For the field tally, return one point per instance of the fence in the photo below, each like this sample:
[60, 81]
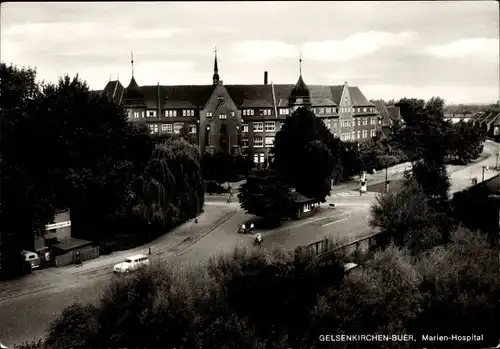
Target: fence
[70, 257]
[363, 244]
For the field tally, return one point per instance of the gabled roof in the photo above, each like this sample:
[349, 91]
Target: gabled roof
[394, 113]
[384, 113]
[489, 118]
[114, 90]
[177, 97]
[358, 99]
[337, 93]
[251, 96]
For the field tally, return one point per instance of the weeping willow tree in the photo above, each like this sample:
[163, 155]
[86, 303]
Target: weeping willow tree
[170, 190]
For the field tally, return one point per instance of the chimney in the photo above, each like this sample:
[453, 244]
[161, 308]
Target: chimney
[265, 78]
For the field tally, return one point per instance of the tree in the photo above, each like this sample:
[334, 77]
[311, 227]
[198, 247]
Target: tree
[82, 155]
[185, 133]
[27, 203]
[301, 138]
[265, 194]
[407, 219]
[170, 190]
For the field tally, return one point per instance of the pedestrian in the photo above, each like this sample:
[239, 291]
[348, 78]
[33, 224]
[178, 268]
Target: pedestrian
[78, 259]
[230, 194]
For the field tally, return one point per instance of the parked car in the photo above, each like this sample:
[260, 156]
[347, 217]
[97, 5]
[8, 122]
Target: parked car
[132, 263]
[32, 258]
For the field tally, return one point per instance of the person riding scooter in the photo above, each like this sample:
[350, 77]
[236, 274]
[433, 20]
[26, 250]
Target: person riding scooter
[258, 238]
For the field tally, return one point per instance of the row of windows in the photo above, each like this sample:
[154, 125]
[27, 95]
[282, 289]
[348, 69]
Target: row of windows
[360, 134]
[246, 112]
[327, 110]
[258, 142]
[358, 122]
[171, 128]
[357, 109]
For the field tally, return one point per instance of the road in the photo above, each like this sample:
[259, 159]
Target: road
[27, 306]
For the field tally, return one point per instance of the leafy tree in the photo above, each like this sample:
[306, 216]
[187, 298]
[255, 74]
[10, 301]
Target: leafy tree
[170, 190]
[296, 143]
[265, 194]
[27, 203]
[407, 218]
[82, 154]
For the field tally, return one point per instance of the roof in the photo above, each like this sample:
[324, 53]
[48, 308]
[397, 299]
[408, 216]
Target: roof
[384, 113]
[300, 89]
[114, 90]
[71, 244]
[248, 96]
[394, 113]
[244, 96]
[488, 119]
[493, 184]
[358, 99]
[136, 256]
[496, 120]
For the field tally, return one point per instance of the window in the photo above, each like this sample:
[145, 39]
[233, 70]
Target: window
[359, 134]
[233, 113]
[222, 116]
[187, 112]
[258, 126]
[307, 208]
[270, 126]
[167, 128]
[353, 135]
[248, 112]
[258, 158]
[170, 113]
[265, 112]
[151, 114]
[245, 127]
[328, 110]
[374, 120]
[364, 110]
[284, 111]
[365, 121]
[154, 128]
[209, 115]
[258, 141]
[178, 127]
[244, 142]
[372, 133]
[192, 128]
[137, 114]
[269, 141]
[365, 133]
[335, 124]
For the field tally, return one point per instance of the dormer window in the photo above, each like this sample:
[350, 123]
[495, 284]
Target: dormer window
[248, 112]
[222, 116]
[151, 113]
[220, 98]
[284, 111]
[265, 112]
[233, 113]
[209, 115]
[187, 112]
[138, 114]
[170, 113]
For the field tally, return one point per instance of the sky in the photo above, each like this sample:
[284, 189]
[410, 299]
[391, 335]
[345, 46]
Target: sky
[389, 49]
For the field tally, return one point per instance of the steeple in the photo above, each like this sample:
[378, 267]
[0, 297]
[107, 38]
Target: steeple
[215, 77]
[300, 95]
[133, 83]
[133, 91]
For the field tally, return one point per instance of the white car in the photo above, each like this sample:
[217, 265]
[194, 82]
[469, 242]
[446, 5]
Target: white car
[132, 263]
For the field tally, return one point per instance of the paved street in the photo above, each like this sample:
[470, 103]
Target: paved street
[28, 305]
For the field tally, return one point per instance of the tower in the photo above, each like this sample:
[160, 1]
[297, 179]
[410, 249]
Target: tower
[300, 95]
[215, 77]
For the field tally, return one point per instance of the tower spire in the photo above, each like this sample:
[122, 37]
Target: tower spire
[300, 64]
[215, 77]
[132, 62]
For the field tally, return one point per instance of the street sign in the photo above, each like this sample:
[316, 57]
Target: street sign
[58, 225]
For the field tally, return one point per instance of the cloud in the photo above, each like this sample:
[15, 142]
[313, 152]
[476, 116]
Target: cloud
[262, 51]
[481, 48]
[357, 45]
